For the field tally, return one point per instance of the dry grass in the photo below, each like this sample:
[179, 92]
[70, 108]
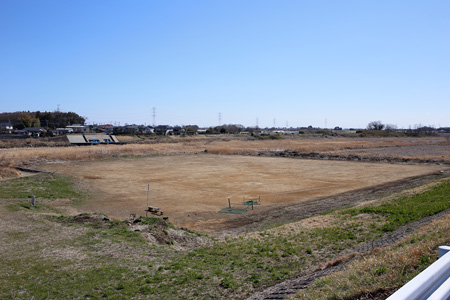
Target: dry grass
[8, 173]
[11, 157]
[6, 169]
[316, 144]
[212, 146]
[25, 156]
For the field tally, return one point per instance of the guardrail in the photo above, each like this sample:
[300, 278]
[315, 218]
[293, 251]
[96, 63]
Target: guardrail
[432, 284]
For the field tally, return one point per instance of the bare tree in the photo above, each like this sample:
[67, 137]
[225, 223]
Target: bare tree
[390, 127]
[375, 125]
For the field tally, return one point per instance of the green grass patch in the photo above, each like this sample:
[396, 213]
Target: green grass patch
[57, 280]
[103, 228]
[49, 186]
[27, 206]
[406, 209]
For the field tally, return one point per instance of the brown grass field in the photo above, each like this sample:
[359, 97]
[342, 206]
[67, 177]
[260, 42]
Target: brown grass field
[191, 189]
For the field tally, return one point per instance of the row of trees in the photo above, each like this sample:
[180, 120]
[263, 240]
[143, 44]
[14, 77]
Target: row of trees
[51, 120]
[378, 125]
[230, 128]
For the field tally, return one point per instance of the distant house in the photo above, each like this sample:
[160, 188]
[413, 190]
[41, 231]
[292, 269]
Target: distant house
[34, 131]
[6, 128]
[62, 131]
[163, 130]
[289, 131]
[146, 129]
[78, 128]
[127, 129]
[178, 130]
[107, 128]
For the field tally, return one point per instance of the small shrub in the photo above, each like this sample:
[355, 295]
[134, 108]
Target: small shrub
[227, 283]
[380, 271]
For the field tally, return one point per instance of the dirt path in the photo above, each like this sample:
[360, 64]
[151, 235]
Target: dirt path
[384, 154]
[292, 286]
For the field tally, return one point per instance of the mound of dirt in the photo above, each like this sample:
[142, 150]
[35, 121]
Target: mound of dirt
[159, 231]
[93, 220]
[152, 229]
[90, 218]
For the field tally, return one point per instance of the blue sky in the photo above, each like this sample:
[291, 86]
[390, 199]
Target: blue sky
[295, 63]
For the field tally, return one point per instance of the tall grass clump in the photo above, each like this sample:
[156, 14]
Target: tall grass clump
[6, 168]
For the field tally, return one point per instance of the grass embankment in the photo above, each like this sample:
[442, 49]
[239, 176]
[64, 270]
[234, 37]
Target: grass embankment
[71, 260]
[378, 275]
[385, 270]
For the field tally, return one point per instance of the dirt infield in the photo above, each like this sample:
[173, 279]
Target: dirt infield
[191, 189]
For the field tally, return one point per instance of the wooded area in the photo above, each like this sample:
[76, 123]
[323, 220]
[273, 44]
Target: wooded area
[50, 120]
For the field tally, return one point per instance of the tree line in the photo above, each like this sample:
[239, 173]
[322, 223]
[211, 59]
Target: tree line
[50, 120]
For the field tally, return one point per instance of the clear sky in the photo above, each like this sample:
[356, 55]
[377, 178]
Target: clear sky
[296, 63]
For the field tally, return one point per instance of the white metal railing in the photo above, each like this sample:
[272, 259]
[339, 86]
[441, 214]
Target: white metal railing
[432, 284]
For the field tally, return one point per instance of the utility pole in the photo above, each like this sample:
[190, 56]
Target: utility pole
[148, 193]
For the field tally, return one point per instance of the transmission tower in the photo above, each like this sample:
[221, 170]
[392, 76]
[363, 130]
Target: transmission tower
[154, 116]
[220, 119]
